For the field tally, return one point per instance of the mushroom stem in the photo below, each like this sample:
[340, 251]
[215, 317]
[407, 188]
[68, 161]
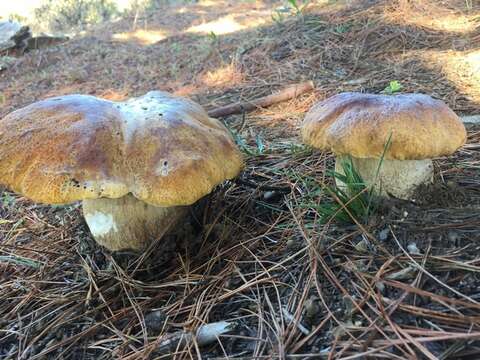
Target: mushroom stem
[128, 223]
[399, 178]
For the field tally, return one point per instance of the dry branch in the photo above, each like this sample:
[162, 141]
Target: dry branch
[244, 106]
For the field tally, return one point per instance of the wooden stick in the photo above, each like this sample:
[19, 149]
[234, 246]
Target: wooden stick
[244, 106]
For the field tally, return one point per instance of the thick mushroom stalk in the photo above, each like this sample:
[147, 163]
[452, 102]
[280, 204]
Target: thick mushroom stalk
[406, 129]
[128, 223]
[137, 165]
[399, 178]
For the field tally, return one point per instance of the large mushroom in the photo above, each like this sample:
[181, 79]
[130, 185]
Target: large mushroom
[136, 165]
[360, 126]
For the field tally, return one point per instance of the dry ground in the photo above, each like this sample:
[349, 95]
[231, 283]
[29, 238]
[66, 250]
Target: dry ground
[254, 252]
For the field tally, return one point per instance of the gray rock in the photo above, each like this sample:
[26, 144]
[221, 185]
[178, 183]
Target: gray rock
[155, 321]
[472, 119]
[6, 62]
[8, 30]
[383, 234]
[13, 35]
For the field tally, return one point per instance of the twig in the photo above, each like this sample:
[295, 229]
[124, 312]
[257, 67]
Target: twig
[244, 106]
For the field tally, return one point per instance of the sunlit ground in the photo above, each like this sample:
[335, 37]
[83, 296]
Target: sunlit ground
[442, 20]
[141, 36]
[25, 8]
[210, 18]
[462, 68]
[229, 24]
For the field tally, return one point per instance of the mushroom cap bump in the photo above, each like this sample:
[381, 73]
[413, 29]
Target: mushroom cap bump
[360, 125]
[163, 149]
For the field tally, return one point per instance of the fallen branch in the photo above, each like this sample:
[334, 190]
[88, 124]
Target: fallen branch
[244, 106]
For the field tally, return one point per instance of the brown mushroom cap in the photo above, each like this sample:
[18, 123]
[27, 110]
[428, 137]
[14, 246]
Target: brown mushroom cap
[163, 149]
[360, 125]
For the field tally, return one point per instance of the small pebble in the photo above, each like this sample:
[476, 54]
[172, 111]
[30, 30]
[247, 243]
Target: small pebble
[311, 307]
[453, 236]
[271, 196]
[451, 184]
[349, 305]
[291, 244]
[361, 246]
[413, 249]
[155, 320]
[383, 235]
[232, 282]
[380, 286]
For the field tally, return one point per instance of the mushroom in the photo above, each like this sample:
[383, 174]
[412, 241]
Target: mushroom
[136, 165]
[399, 133]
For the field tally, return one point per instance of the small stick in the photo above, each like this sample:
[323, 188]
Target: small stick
[244, 106]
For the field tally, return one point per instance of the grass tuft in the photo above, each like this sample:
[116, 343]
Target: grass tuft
[351, 201]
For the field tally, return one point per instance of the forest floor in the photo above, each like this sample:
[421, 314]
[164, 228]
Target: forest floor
[402, 283]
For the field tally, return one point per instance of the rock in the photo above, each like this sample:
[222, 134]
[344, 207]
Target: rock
[472, 119]
[7, 30]
[291, 244]
[312, 309]
[13, 35]
[380, 286]
[6, 62]
[453, 236]
[383, 234]
[362, 246]
[271, 196]
[405, 274]
[413, 249]
[155, 321]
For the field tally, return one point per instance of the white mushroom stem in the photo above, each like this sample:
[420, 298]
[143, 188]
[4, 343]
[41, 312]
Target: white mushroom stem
[399, 178]
[128, 223]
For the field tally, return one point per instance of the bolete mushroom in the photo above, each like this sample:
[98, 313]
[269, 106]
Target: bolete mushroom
[136, 165]
[360, 126]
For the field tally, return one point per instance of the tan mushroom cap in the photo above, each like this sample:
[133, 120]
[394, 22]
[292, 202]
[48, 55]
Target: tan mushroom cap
[163, 149]
[360, 125]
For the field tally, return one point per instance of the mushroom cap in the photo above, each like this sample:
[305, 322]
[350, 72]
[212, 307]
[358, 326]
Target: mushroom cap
[360, 125]
[163, 149]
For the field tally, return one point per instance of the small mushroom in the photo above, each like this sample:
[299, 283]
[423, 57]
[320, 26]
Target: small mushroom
[136, 165]
[360, 126]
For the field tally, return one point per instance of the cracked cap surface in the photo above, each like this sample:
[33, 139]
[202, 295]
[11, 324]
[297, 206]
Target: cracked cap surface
[163, 149]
